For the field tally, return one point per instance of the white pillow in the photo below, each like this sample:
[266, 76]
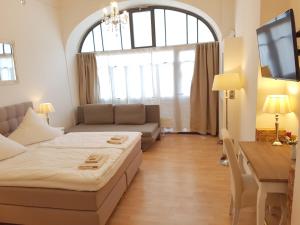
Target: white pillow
[9, 148]
[34, 129]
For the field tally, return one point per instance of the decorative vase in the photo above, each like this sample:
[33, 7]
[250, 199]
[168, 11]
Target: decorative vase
[294, 151]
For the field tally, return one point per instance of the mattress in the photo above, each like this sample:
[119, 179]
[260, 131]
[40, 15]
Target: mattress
[56, 165]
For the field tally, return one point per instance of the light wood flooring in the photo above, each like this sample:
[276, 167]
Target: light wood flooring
[179, 183]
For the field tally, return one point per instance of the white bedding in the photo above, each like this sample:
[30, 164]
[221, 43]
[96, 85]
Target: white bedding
[93, 140]
[47, 167]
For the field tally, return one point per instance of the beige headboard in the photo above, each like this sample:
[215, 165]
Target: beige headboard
[11, 116]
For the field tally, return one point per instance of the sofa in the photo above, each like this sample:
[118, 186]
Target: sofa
[129, 117]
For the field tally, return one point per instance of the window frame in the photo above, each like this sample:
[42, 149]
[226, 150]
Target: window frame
[152, 12]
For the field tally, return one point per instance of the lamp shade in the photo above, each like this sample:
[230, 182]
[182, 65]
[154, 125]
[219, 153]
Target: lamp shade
[46, 108]
[230, 81]
[277, 104]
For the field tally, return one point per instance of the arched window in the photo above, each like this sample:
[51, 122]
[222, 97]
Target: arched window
[155, 26]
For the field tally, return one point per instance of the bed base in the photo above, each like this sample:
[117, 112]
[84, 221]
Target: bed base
[28, 215]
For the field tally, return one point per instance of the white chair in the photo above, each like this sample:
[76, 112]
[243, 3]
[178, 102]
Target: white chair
[243, 186]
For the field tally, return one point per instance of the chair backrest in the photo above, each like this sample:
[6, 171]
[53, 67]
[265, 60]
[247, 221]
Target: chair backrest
[237, 180]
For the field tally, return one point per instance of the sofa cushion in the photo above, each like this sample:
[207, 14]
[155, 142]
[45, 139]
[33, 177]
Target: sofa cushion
[130, 114]
[147, 129]
[98, 114]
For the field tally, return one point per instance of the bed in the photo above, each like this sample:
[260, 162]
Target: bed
[32, 204]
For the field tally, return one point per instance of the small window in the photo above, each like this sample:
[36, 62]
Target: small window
[126, 41]
[160, 27]
[142, 29]
[176, 28]
[88, 44]
[98, 38]
[192, 29]
[204, 34]
[111, 38]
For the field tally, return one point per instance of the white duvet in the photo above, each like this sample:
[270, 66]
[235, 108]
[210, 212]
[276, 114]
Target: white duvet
[50, 167]
[92, 140]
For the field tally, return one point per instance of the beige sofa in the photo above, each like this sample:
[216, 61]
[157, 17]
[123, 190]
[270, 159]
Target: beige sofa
[131, 117]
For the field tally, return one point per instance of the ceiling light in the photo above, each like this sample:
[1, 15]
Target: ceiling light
[115, 19]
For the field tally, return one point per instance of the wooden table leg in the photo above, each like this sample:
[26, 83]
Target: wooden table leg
[261, 205]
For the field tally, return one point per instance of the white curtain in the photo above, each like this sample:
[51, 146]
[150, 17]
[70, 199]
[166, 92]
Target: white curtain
[150, 76]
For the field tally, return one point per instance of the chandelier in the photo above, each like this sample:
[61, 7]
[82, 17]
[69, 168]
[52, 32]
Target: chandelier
[115, 19]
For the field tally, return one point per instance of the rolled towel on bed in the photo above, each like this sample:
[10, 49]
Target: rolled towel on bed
[119, 137]
[94, 166]
[117, 140]
[94, 158]
[89, 166]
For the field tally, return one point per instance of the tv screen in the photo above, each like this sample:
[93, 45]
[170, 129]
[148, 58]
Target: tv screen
[277, 46]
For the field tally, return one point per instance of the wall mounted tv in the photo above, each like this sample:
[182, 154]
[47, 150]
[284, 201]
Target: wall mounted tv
[277, 44]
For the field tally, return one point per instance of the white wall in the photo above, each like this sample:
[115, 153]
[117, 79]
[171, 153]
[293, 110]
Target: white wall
[233, 55]
[39, 55]
[247, 20]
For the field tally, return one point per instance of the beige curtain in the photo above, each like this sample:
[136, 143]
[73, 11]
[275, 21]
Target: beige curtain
[204, 102]
[88, 78]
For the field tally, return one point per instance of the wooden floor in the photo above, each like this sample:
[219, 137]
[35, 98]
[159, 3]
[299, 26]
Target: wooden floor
[180, 183]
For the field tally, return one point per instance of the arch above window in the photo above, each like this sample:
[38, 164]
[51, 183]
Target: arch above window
[154, 26]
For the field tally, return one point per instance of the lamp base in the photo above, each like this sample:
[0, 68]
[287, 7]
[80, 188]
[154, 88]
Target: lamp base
[277, 143]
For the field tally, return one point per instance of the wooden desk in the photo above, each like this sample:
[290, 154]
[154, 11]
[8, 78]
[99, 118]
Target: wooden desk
[270, 166]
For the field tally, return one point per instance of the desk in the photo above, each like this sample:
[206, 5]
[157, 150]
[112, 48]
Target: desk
[270, 166]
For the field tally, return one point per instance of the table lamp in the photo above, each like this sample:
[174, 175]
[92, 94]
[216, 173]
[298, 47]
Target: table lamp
[277, 104]
[228, 83]
[46, 108]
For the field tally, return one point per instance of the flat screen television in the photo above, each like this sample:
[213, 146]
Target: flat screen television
[277, 44]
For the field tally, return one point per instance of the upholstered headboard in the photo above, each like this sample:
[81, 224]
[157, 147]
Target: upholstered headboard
[11, 116]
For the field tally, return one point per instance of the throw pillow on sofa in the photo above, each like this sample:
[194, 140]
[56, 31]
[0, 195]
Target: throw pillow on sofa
[98, 114]
[130, 114]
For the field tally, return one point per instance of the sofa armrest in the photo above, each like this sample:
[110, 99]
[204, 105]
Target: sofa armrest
[153, 114]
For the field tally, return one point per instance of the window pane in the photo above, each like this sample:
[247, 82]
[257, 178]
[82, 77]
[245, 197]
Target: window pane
[119, 83]
[160, 27]
[1, 48]
[88, 44]
[7, 48]
[125, 28]
[148, 84]
[204, 34]
[111, 38]
[98, 39]
[7, 70]
[142, 29]
[186, 64]
[176, 28]
[134, 82]
[104, 79]
[163, 62]
[192, 29]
